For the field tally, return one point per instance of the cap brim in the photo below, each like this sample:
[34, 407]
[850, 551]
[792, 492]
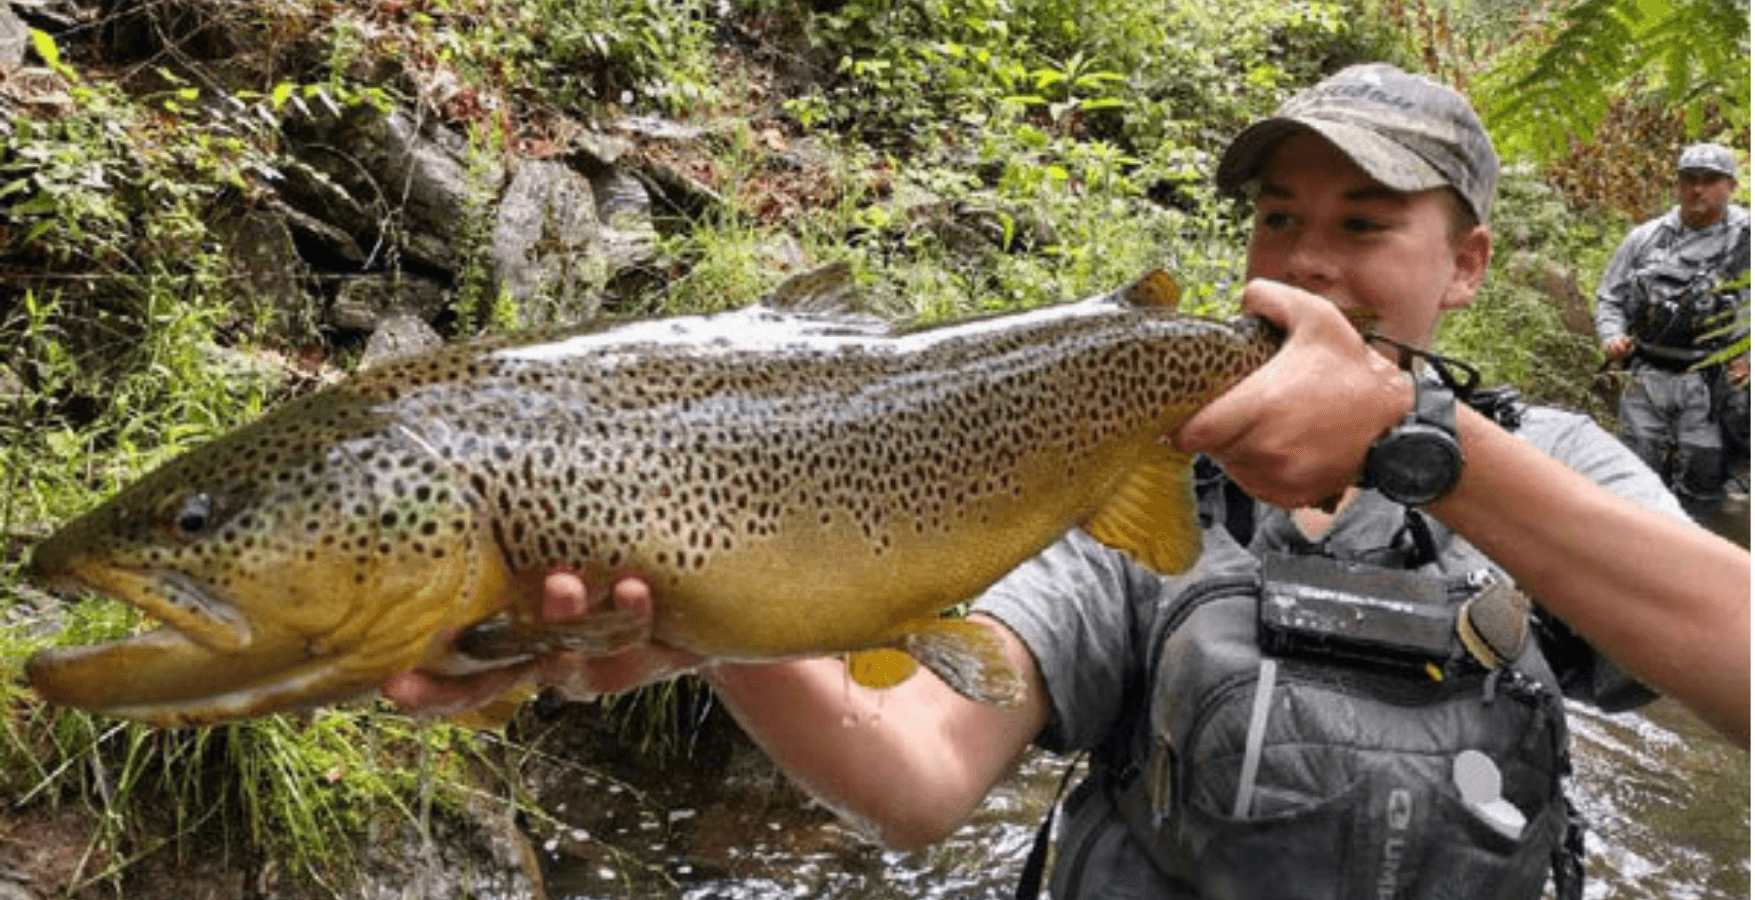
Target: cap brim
[1383, 159]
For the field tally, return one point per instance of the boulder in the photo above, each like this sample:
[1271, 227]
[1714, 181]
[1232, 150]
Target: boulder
[14, 39]
[547, 245]
[365, 302]
[416, 181]
[396, 336]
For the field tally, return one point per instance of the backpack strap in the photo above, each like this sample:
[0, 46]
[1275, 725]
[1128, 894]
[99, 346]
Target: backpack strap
[1030, 879]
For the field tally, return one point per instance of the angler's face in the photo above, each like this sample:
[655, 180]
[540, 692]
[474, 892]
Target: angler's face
[1323, 225]
[1703, 196]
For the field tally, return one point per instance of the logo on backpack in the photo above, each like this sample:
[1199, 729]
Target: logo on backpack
[1399, 815]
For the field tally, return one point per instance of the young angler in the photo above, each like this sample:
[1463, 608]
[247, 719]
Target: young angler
[1227, 764]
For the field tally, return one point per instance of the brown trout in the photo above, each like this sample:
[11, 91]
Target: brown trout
[791, 485]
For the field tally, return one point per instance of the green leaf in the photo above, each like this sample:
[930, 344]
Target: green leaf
[51, 54]
[45, 47]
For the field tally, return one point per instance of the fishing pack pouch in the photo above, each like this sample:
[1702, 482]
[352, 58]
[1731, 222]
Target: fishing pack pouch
[1349, 758]
[1677, 306]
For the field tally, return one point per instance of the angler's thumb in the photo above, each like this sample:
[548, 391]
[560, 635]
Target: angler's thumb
[1271, 300]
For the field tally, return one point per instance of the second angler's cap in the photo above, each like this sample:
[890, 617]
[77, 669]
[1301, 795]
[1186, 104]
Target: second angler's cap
[1708, 157]
[1407, 131]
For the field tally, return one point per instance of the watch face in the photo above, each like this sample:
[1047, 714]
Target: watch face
[1415, 466]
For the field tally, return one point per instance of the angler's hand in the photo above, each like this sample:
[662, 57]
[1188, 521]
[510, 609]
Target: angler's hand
[565, 596]
[1618, 348]
[1294, 433]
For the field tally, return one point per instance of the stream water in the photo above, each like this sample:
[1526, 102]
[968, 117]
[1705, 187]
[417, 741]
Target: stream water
[1667, 803]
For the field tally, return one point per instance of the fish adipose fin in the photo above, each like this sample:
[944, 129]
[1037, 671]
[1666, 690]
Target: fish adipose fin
[1155, 289]
[1151, 516]
[825, 290]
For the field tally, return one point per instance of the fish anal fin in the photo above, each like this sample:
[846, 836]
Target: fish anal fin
[880, 668]
[968, 656]
[1151, 516]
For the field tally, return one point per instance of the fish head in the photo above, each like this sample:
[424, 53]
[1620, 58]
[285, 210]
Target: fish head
[296, 561]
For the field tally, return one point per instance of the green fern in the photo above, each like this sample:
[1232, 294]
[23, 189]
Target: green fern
[1694, 55]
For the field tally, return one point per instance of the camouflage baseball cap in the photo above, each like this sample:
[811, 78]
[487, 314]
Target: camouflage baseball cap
[1407, 131]
[1708, 157]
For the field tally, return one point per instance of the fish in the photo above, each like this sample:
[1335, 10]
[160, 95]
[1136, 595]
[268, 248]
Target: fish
[793, 482]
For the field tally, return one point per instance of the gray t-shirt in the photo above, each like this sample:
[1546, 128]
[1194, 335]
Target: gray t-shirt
[1093, 619]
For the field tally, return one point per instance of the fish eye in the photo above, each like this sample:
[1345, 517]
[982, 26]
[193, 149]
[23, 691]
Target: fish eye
[195, 515]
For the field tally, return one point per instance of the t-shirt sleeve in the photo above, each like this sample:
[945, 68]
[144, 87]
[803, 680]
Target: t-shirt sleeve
[1074, 606]
[1586, 448]
[1614, 294]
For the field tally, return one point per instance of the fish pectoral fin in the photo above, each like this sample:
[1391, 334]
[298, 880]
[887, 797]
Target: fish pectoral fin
[968, 656]
[1151, 516]
[494, 714]
[507, 638]
[880, 668]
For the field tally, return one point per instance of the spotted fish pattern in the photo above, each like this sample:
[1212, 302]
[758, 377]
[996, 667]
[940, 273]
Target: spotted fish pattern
[790, 483]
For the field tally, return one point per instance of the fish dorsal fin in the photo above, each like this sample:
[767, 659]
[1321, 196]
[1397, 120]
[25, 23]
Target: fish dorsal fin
[823, 302]
[1151, 515]
[824, 290]
[1156, 289]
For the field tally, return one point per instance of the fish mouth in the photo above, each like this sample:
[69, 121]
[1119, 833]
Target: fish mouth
[175, 598]
[170, 677]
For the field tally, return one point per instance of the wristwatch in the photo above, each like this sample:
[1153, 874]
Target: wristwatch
[1419, 460]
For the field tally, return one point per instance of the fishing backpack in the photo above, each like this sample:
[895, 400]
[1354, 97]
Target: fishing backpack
[1291, 752]
[1301, 757]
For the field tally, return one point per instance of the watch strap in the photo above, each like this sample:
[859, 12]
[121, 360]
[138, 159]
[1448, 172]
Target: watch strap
[1434, 405]
[1432, 418]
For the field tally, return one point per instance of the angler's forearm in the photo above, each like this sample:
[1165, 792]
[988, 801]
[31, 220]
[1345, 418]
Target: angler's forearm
[1664, 598]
